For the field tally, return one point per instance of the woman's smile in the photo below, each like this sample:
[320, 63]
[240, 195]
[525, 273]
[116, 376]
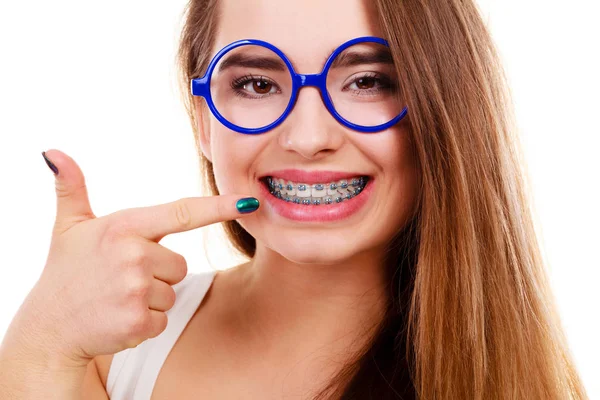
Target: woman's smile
[317, 196]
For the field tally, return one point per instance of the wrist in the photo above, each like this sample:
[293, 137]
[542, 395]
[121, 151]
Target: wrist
[28, 372]
[29, 339]
[38, 355]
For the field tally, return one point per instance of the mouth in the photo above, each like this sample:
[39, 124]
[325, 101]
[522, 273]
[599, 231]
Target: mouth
[315, 194]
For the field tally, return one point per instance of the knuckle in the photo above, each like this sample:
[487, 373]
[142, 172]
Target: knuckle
[114, 231]
[139, 324]
[136, 254]
[171, 297]
[132, 343]
[221, 209]
[61, 189]
[160, 324]
[183, 216]
[139, 289]
[64, 189]
[119, 222]
[123, 222]
[181, 266]
[164, 321]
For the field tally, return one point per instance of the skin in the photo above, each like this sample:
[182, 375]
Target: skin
[286, 321]
[310, 284]
[280, 325]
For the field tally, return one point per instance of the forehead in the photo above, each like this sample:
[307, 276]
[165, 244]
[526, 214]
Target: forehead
[307, 31]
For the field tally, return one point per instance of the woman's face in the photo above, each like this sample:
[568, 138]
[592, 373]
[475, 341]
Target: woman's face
[310, 140]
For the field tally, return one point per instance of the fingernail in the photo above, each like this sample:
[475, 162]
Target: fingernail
[52, 166]
[247, 205]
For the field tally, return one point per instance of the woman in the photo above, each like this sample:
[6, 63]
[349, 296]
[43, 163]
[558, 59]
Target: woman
[416, 273]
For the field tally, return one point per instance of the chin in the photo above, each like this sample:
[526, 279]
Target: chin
[314, 245]
[312, 257]
[313, 250]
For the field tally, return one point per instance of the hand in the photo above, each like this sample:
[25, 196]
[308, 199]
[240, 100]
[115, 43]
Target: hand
[107, 282]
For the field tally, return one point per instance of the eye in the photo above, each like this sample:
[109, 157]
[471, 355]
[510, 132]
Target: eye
[365, 82]
[257, 86]
[369, 83]
[262, 86]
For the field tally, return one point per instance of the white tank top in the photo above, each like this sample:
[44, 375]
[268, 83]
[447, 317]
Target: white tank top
[133, 371]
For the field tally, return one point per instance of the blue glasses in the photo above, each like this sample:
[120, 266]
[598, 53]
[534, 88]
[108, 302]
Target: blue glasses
[251, 86]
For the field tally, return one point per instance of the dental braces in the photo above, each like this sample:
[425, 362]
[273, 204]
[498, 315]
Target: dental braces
[346, 192]
[302, 186]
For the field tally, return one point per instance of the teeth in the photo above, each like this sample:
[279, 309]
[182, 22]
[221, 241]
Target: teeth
[303, 190]
[316, 194]
[318, 190]
[345, 192]
[290, 189]
[332, 189]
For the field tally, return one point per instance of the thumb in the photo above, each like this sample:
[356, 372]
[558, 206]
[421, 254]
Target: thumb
[72, 202]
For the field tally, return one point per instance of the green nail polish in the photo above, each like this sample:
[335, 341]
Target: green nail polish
[247, 205]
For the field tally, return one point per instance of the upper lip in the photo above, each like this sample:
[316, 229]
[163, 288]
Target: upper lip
[311, 177]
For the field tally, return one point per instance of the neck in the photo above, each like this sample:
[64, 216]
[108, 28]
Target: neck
[301, 307]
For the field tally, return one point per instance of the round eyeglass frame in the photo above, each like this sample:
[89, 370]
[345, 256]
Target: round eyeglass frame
[201, 86]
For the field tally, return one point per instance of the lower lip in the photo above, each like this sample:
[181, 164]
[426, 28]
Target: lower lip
[320, 213]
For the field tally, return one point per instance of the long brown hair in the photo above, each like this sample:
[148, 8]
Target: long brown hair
[470, 312]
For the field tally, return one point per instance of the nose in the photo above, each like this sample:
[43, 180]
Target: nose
[310, 130]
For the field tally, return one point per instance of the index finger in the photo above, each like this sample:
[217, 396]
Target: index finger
[155, 222]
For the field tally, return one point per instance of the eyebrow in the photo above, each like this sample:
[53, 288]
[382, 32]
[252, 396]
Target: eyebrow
[343, 60]
[351, 58]
[241, 60]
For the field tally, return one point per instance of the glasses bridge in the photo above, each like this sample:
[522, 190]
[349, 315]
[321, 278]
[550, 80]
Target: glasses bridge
[310, 79]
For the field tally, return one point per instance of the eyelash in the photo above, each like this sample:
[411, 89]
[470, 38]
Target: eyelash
[383, 82]
[238, 83]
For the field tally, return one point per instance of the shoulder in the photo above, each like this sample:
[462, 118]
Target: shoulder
[196, 284]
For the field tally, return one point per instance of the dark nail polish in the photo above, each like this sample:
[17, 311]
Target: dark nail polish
[52, 166]
[247, 205]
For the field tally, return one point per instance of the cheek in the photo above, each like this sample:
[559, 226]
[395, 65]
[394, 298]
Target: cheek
[390, 151]
[398, 170]
[398, 153]
[401, 165]
[233, 157]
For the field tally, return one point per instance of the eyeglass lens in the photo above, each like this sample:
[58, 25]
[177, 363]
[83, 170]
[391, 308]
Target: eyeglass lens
[251, 86]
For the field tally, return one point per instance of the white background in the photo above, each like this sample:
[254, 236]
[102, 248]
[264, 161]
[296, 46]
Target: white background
[97, 81]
